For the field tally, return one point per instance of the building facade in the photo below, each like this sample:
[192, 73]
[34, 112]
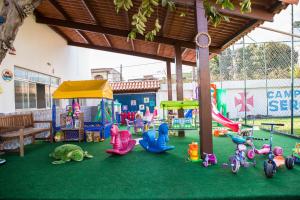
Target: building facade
[110, 74]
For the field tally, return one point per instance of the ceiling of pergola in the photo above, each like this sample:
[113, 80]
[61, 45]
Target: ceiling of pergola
[95, 24]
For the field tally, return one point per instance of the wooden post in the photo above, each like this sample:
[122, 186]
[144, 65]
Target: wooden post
[179, 82]
[204, 97]
[21, 141]
[169, 80]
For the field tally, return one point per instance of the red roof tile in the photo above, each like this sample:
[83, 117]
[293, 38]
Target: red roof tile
[135, 86]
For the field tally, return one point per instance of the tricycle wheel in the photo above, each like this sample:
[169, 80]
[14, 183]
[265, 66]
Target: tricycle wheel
[205, 164]
[269, 169]
[235, 166]
[250, 154]
[289, 162]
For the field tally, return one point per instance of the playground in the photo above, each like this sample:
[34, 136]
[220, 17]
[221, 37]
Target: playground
[141, 175]
[218, 120]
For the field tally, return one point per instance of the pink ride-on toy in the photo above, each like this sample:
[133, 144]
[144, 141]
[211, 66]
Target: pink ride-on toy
[121, 141]
[265, 150]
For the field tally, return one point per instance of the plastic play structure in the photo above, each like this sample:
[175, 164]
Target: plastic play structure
[107, 112]
[159, 145]
[219, 109]
[87, 89]
[121, 141]
[110, 108]
[218, 117]
[193, 104]
[180, 123]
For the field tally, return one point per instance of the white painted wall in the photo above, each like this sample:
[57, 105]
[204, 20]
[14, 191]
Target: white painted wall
[278, 102]
[36, 45]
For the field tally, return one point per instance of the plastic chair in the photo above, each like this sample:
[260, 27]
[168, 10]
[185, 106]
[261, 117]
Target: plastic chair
[139, 124]
[129, 124]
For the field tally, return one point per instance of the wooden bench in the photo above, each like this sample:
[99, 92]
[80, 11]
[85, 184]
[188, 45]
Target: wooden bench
[20, 127]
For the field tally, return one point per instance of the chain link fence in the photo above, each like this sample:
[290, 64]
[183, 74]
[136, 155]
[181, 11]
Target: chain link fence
[262, 83]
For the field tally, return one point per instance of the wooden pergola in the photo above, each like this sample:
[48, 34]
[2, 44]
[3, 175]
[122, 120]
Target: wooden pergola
[95, 24]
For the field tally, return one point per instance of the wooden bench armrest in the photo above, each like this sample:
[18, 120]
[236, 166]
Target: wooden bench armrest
[42, 121]
[13, 127]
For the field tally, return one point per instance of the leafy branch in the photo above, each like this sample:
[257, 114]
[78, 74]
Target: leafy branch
[147, 8]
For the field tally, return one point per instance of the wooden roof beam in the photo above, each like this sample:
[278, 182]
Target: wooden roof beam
[110, 31]
[257, 13]
[89, 10]
[127, 52]
[60, 9]
[82, 36]
[184, 51]
[107, 40]
[158, 49]
[67, 16]
[165, 23]
[59, 32]
[132, 45]
[244, 31]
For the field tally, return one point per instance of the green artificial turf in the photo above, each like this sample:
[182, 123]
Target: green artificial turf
[143, 175]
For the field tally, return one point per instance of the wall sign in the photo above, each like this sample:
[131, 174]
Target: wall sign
[280, 100]
[7, 75]
[133, 102]
[146, 100]
[142, 107]
[124, 107]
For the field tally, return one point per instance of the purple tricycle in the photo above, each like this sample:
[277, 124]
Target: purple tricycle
[209, 159]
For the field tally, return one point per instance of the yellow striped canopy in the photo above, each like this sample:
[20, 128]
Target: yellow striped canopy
[87, 89]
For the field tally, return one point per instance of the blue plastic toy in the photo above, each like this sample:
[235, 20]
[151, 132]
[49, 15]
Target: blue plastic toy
[159, 145]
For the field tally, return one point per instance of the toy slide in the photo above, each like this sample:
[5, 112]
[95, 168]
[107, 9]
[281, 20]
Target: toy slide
[107, 115]
[188, 114]
[218, 117]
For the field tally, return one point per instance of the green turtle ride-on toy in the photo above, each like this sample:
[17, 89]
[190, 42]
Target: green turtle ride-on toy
[275, 161]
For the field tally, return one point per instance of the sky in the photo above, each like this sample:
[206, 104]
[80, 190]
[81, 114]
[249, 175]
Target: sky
[137, 67]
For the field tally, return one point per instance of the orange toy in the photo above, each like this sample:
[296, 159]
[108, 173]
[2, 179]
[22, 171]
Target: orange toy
[193, 152]
[220, 132]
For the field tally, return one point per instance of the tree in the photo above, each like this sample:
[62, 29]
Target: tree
[297, 71]
[275, 57]
[13, 13]
[147, 8]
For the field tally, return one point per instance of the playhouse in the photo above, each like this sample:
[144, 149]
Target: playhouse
[73, 126]
[159, 165]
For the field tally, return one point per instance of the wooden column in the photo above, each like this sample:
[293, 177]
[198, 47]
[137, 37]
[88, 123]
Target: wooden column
[203, 82]
[169, 80]
[179, 82]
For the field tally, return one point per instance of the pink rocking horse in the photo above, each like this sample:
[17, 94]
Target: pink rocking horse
[121, 141]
